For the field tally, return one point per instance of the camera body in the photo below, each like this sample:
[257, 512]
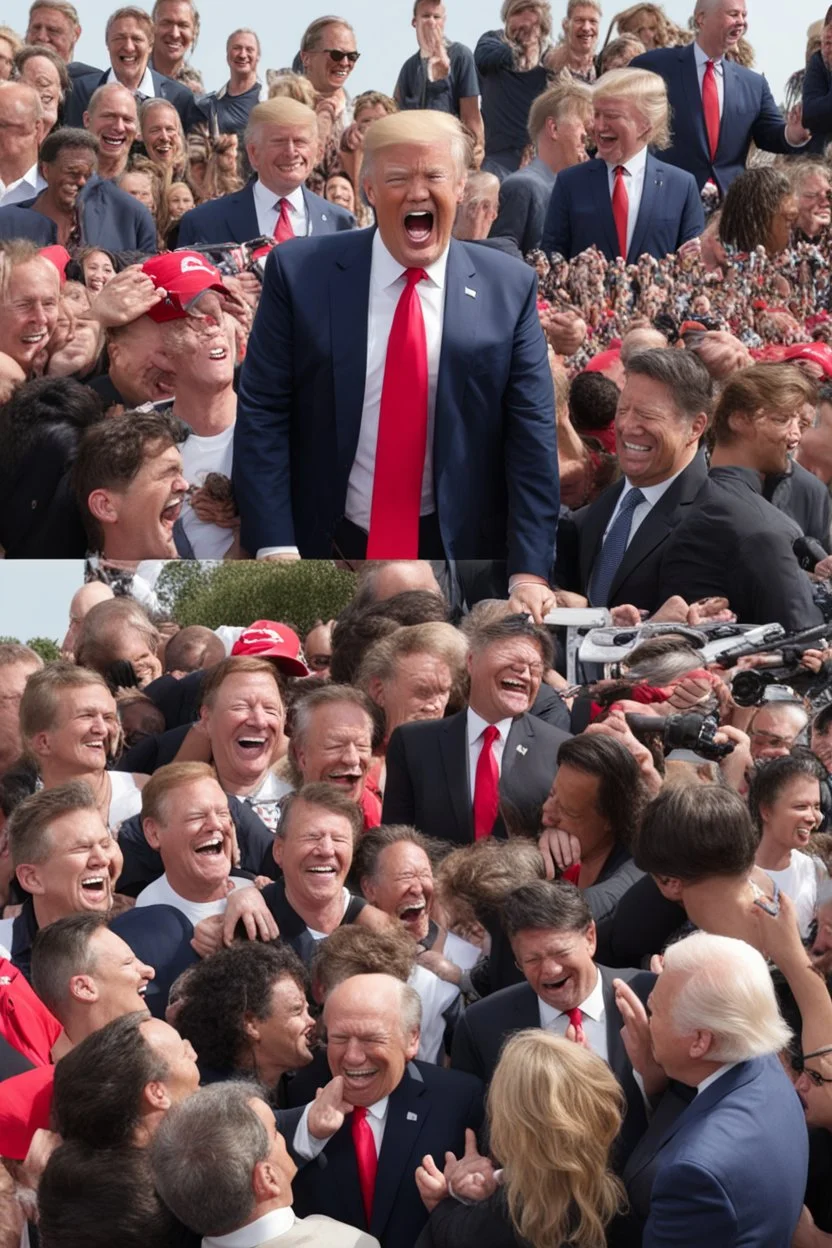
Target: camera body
[686, 731]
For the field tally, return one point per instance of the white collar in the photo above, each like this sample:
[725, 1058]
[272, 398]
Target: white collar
[145, 87]
[477, 725]
[635, 166]
[379, 1109]
[652, 493]
[270, 198]
[593, 1006]
[702, 58]
[385, 270]
[270, 1226]
[722, 1070]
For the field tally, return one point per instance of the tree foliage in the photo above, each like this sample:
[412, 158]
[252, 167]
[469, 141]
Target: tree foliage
[48, 649]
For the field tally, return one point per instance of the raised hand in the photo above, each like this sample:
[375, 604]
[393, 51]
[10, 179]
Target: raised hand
[328, 1110]
[472, 1177]
[431, 1183]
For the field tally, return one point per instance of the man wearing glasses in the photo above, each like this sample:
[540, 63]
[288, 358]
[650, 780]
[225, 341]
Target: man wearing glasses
[328, 55]
[775, 728]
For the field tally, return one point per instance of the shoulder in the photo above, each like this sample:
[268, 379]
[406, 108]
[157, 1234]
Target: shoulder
[220, 205]
[318, 203]
[455, 1085]
[498, 1007]
[85, 84]
[672, 174]
[497, 266]
[547, 733]
[661, 58]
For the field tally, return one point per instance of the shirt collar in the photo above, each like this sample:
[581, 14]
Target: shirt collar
[592, 1007]
[477, 725]
[385, 270]
[635, 166]
[379, 1109]
[145, 87]
[702, 58]
[270, 1226]
[652, 493]
[268, 199]
[723, 1070]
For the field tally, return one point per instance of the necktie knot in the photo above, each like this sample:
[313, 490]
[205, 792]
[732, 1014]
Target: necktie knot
[491, 734]
[632, 500]
[359, 1113]
[414, 276]
[576, 1017]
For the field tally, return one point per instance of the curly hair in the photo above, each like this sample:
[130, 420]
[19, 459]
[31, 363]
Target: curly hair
[627, 23]
[226, 988]
[751, 204]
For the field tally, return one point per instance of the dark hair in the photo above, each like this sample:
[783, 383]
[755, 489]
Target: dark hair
[112, 454]
[771, 778]
[822, 722]
[543, 906]
[412, 606]
[48, 409]
[192, 649]
[65, 139]
[593, 399]
[99, 1084]
[94, 1197]
[18, 783]
[749, 207]
[328, 797]
[696, 832]
[353, 635]
[485, 632]
[684, 374]
[221, 991]
[59, 951]
[622, 794]
[374, 841]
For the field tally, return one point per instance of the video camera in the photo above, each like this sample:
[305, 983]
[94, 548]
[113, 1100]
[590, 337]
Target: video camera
[232, 259]
[687, 731]
[748, 688]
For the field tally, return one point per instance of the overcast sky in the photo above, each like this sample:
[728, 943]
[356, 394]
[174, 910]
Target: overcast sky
[385, 38]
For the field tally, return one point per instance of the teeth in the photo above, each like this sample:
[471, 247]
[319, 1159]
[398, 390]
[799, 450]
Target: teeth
[634, 446]
[217, 353]
[142, 990]
[322, 870]
[94, 881]
[34, 337]
[209, 847]
[251, 741]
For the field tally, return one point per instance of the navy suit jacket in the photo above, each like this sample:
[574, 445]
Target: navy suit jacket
[580, 212]
[182, 99]
[233, 219]
[731, 1168]
[427, 1113]
[302, 394]
[748, 112]
[110, 218]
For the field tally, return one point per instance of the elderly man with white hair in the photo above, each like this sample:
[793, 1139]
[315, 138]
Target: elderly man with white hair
[625, 202]
[731, 1168]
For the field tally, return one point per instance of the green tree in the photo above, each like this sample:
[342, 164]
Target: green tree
[48, 649]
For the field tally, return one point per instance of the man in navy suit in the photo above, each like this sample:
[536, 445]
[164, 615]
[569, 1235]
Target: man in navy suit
[129, 36]
[282, 145]
[402, 1108]
[323, 458]
[625, 202]
[731, 1168]
[718, 106]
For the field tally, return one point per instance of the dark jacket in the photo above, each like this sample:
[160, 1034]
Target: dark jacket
[182, 99]
[817, 96]
[233, 219]
[109, 218]
[524, 198]
[802, 496]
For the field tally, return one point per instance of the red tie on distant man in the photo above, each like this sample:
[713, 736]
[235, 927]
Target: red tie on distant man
[402, 432]
[710, 105]
[620, 209]
[576, 1019]
[486, 786]
[283, 226]
[367, 1158]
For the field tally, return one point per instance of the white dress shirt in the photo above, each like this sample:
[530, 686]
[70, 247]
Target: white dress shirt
[267, 207]
[635, 168]
[145, 87]
[270, 1226]
[594, 1022]
[702, 59]
[386, 286]
[309, 1146]
[27, 187]
[723, 1070]
[475, 727]
[652, 494]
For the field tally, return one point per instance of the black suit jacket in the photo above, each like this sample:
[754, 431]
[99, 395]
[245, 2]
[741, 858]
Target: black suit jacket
[109, 218]
[804, 498]
[428, 785]
[183, 100]
[427, 1113]
[486, 1025]
[639, 576]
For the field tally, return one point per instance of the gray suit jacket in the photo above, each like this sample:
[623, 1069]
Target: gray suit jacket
[524, 198]
[316, 1231]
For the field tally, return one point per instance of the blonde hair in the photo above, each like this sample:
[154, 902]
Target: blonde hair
[626, 46]
[541, 7]
[649, 94]
[12, 39]
[416, 126]
[567, 96]
[666, 31]
[554, 1111]
[280, 111]
[166, 780]
[290, 86]
[41, 693]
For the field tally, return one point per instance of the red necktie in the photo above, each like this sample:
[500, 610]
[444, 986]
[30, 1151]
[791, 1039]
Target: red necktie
[576, 1018]
[402, 432]
[710, 105]
[367, 1158]
[572, 874]
[620, 209]
[486, 786]
[283, 226]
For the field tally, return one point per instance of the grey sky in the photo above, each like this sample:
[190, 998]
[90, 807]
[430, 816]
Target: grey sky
[35, 595]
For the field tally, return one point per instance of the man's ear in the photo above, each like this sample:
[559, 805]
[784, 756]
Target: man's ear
[151, 832]
[28, 876]
[591, 939]
[699, 425]
[411, 1047]
[669, 887]
[250, 1027]
[702, 1044]
[156, 1096]
[367, 888]
[367, 187]
[101, 506]
[265, 1182]
[376, 691]
[83, 988]
[277, 850]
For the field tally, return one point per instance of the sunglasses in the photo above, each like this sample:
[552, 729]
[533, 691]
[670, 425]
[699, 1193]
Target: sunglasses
[337, 56]
[816, 1077]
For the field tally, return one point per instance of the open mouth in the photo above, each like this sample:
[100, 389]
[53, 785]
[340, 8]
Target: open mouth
[34, 340]
[142, 990]
[210, 849]
[323, 872]
[113, 140]
[251, 746]
[418, 226]
[171, 512]
[359, 1077]
[344, 779]
[95, 886]
[555, 985]
[217, 353]
[412, 914]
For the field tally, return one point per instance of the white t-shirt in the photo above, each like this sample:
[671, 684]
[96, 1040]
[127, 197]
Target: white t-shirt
[800, 881]
[160, 893]
[437, 996]
[125, 798]
[199, 457]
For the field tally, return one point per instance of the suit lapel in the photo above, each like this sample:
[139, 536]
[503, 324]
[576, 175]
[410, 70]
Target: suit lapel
[407, 1112]
[592, 530]
[729, 90]
[650, 193]
[316, 214]
[91, 213]
[463, 301]
[617, 1059]
[454, 753]
[526, 1011]
[690, 78]
[349, 304]
[241, 215]
[603, 204]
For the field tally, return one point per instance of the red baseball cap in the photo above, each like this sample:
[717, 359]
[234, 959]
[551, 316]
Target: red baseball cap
[267, 639]
[183, 275]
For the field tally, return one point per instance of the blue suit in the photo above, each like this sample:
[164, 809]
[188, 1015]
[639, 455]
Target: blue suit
[110, 219]
[233, 219]
[580, 212]
[182, 99]
[731, 1168]
[748, 112]
[302, 395]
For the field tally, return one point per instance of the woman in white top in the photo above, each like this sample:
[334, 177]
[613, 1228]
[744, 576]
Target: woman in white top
[69, 725]
[784, 800]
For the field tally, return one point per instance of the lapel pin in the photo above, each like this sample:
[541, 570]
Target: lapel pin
[411, 1117]
[323, 216]
[472, 294]
[521, 749]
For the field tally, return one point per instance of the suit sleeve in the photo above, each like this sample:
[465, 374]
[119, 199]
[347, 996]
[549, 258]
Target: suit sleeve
[512, 219]
[689, 1207]
[188, 233]
[145, 231]
[778, 588]
[817, 96]
[557, 233]
[530, 447]
[769, 128]
[261, 472]
[399, 799]
[693, 217]
[465, 1054]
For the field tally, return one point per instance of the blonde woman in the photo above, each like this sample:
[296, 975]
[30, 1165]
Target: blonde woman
[554, 1111]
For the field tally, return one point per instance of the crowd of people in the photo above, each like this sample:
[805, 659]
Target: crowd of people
[380, 933]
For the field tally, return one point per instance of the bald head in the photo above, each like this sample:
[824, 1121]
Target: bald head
[645, 339]
[372, 1024]
[83, 600]
[21, 124]
[396, 577]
